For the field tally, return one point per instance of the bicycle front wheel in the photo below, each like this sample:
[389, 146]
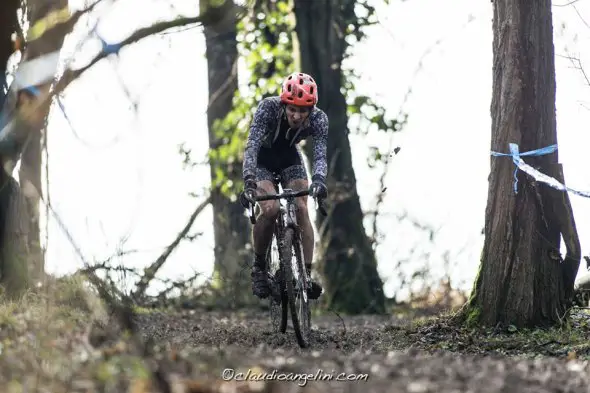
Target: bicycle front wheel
[296, 285]
[278, 304]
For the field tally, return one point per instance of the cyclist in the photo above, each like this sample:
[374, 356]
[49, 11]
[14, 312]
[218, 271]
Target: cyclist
[279, 124]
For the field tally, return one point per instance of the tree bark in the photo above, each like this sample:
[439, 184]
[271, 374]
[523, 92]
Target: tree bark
[522, 279]
[8, 25]
[348, 263]
[230, 226]
[22, 259]
[14, 276]
[31, 157]
[30, 175]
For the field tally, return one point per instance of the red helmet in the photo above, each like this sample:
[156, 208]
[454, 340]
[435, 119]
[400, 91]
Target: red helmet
[299, 89]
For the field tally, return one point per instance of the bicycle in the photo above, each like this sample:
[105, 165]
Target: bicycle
[288, 279]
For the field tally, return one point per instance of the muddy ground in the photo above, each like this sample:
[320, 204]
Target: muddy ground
[380, 353]
[192, 351]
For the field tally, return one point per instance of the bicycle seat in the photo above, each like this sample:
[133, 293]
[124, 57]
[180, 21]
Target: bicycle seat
[276, 181]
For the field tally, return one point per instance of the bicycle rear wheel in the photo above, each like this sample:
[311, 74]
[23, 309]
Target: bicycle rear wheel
[278, 304]
[296, 285]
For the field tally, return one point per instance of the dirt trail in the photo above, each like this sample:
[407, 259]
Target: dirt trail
[373, 353]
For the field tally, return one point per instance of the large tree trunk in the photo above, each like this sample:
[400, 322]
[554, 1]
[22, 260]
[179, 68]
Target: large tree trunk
[230, 226]
[8, 25]
[31, 161]
[522, 280]
[30, 175]
[19, 205]
[14, 275]
[349, 266]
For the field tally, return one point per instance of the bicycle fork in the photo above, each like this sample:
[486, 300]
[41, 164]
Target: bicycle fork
[300, 284]
[275, 280]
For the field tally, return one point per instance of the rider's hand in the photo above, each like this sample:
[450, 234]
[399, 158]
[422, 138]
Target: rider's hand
[318, 188]
[249, 193]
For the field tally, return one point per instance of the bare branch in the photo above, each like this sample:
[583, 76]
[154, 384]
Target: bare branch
[211, 16]
[178, 284]
[566, 4]
[577, 64]
[150, 272]
[391, 150]
[580, 16]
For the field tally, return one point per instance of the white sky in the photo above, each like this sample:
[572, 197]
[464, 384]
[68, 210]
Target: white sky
[123, 176]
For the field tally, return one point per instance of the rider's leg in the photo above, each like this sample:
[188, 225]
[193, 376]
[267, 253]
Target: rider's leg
[262, 233]
[263, 228]
[295, 178]
[307, 236]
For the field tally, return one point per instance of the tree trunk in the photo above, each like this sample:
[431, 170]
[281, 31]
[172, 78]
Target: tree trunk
[522, 280]
[230, 226]
[30, 175]
[19, 205]
[8, 26]
[14, 276]
[31, 160]
[348, 263]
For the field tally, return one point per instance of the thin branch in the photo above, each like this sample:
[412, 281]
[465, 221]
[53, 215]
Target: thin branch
[566, 4]
[209, 17]
[212, 16]
[104, 265]
[577, 64]
[391, 151]
[580, 16]
[150, 272]
[178, 284]
[418, 225]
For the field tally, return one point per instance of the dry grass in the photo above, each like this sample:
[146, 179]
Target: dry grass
[45, 341]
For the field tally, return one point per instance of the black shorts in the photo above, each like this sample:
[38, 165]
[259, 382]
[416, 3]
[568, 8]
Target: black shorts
[288, 163]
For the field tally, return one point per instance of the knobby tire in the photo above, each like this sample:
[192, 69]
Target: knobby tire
[304, 303]
[278, 310]
[300, 322]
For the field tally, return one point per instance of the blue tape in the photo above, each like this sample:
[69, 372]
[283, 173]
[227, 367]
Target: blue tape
[107, 48]
[33, 90]
[110, 49]
[515, 154]
[538, 176]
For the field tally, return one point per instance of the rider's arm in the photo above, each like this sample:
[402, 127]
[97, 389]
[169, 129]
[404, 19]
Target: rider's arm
[320, 145]
[262, 119]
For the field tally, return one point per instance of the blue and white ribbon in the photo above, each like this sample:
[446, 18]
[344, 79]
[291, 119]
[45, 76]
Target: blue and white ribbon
[35, 72]
[38, 71]
[538, 176]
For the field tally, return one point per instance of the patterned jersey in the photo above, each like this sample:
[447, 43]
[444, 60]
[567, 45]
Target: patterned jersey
[266, 126]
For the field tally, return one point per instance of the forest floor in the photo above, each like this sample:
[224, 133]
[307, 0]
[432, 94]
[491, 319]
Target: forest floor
[73, 347]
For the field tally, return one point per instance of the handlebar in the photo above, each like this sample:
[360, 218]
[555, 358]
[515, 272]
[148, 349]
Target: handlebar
[285, 195]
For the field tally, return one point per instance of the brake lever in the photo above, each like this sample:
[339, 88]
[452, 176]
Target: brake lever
[252, 216]
[320, 206]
